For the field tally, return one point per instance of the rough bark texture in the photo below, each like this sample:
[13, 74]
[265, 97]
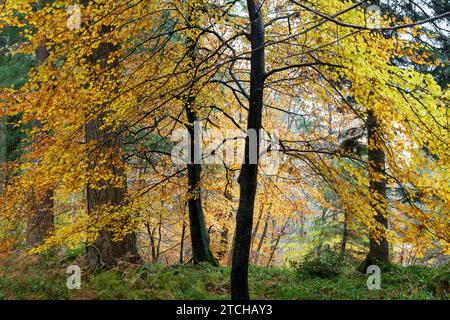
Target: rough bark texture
[201, 250]
[40, 224]
[249, 172]
[379, 248]
[104, 252]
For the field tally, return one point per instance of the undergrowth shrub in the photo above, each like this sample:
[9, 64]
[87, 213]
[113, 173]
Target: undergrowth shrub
[327, 265]
[439, 282]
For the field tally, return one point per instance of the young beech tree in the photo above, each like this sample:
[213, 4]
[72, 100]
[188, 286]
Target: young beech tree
[249, 171]
[201, 250]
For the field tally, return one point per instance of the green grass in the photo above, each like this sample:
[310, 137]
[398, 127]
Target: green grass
[45, 279]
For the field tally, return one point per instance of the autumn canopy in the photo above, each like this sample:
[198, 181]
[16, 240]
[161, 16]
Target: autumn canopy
[349, 113]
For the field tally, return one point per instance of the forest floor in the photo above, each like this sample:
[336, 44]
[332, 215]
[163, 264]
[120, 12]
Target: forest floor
[45, 278]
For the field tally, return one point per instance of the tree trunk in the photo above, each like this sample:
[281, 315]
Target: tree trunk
[104, 252]
[201, 250]
[261, 240]
[275, 246]
[183, 234]
[379, 247]
[249, 171]
[41, 223]
[255, 230]
[152, 241]
[344, 234]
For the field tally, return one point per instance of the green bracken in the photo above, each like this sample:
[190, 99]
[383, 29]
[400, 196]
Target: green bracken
[46, 279]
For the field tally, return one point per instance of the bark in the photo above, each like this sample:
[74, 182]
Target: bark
[402, 255]
[255, 229]
[379, 247]
[344, 234]
[248, 176]
[321, 234]
[223, 243]
[275, 246]
[261, 240]
[230, 257]
[158, 247]
[183, 234]
[152, 241]
[40, 224]
[201, 249]
[104, 251]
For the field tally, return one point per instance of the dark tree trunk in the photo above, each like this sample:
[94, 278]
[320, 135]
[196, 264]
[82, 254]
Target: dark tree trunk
[379, 247]
[344, 234]
[249, 171]
[201, 250]
[152, 241]
[183, 234]
[40, 224]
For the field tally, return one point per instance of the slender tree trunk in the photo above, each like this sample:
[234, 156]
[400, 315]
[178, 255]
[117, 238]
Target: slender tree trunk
[230, 257]
[183, 234]
[321, 235]
[275, 246]
[41, 223]
[249, 171]
[379, 247]
[201, 249]
[261, 240]
[255, 229]
[158, 247]
[223, 242]
[152, 241]
[402, 255]
[344, 234]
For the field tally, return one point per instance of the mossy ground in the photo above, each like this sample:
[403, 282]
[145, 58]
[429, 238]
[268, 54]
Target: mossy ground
[45, 278]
